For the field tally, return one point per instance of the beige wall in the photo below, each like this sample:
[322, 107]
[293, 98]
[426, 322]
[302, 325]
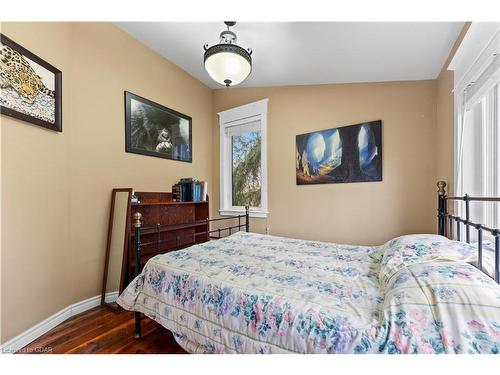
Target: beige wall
[444, 128]
[361, 213]
[36, 248]
[445, 119]
[56, 188]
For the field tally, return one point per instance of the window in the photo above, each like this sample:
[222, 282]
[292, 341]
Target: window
[479, 164]
[243, 163]
[477, 133]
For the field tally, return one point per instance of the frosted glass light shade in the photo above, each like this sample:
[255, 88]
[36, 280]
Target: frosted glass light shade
[228, 67]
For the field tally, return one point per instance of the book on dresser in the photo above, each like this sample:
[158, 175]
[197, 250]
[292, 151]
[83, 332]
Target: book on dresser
[189, 190]
[160, 208]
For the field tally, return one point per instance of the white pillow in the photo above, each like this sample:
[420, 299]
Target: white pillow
[402, 252]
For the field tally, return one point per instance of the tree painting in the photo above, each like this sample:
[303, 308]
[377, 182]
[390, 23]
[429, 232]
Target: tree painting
[246, 169]
[346, 154]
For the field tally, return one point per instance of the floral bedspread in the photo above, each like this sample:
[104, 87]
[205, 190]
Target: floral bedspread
[252, 293]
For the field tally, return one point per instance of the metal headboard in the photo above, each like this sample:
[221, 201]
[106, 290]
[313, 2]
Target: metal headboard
[207, 234]
[450, 225]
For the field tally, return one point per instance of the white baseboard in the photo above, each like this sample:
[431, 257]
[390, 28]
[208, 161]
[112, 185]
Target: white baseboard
[39, 329]
[111, 297]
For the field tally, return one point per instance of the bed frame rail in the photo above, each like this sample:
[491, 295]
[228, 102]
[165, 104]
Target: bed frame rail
[450, 225]
[207, 234]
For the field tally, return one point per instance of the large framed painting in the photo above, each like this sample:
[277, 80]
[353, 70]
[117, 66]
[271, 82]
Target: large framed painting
[154, 130]
[30, 88]
[346, 154]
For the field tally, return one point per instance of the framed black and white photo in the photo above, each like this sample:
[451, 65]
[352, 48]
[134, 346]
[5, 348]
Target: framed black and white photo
[154, 130]
[30, 88]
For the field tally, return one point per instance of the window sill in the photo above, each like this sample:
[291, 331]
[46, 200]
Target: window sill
[258, 214]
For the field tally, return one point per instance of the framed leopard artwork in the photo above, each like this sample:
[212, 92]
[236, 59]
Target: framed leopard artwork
[30, 88]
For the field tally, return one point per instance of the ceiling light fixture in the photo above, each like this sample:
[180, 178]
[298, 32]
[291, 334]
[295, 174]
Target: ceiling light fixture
[226, 62]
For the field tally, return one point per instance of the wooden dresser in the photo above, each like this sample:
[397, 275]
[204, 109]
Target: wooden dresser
[185, 219]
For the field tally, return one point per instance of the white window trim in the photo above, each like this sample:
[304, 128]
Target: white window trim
[232, 117]
[475, 67]
[473, 56]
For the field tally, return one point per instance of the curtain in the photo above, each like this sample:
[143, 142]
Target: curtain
[478, 145]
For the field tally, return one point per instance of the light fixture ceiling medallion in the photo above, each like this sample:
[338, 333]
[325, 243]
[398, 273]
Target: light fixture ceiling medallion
[226, 62]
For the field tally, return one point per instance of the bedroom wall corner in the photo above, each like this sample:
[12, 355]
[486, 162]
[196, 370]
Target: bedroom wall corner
[445, 118]
[444, 129]
[98, 157]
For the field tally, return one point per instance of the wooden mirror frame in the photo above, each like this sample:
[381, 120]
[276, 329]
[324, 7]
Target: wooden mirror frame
[116, 307]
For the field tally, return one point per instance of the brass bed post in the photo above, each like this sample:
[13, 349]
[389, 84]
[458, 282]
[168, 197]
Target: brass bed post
[137, 232]
[442, 208]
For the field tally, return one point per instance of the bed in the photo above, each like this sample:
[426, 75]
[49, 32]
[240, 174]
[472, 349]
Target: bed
[254, 293]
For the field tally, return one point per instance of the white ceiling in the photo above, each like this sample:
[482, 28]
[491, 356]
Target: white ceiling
[301, 53]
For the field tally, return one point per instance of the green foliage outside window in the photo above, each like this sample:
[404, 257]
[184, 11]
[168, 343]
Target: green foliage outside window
[246, 169]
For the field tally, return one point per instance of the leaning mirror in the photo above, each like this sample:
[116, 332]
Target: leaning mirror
[116, 248]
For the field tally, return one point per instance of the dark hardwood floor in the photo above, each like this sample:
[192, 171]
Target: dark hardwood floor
[102, 331]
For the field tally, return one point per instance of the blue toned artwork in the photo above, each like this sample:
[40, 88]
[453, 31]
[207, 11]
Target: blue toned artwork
[345, 154]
